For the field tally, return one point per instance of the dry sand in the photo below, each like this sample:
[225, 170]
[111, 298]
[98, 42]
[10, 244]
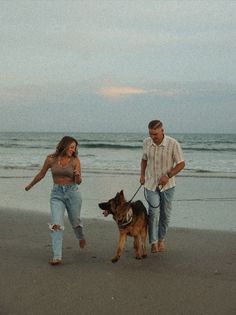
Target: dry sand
[197, 275]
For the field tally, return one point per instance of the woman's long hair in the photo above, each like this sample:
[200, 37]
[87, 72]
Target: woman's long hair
[63, 146]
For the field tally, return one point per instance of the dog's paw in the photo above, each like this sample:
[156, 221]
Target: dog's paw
[115, 259]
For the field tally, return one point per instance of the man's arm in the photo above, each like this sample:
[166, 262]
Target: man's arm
[142, 173]
[175, 170]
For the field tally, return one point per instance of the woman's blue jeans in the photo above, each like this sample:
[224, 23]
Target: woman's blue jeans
[64, 197]
[159, 217]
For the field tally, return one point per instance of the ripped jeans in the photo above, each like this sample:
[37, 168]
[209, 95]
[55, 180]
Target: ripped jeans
[64, 197]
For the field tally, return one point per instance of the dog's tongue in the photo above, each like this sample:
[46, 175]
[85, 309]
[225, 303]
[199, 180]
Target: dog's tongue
[105, 213]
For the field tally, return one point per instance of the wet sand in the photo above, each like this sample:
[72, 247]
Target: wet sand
[199, 202]
[197, 275]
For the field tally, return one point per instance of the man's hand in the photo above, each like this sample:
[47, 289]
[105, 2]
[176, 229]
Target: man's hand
[163, 180]
[142, 179]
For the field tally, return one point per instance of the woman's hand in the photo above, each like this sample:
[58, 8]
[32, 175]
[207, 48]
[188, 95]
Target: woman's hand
[76, 173]
[27, 188]
[77, 176]
[41, 174]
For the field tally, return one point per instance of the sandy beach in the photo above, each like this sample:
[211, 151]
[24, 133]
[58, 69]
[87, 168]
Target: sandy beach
[197, 275]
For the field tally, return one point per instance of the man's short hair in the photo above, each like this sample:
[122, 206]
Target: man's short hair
[155, 124]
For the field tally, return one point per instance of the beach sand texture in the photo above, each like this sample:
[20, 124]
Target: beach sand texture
[197, 275]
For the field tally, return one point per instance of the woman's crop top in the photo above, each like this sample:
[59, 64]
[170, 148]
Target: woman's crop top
[60, 171]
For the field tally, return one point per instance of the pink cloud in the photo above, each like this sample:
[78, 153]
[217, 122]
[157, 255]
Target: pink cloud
[116, 92]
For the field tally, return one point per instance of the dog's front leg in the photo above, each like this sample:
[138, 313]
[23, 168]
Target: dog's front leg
[120, 247]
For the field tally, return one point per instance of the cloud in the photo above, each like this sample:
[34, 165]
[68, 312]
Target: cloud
[115, 92]
[124, 91]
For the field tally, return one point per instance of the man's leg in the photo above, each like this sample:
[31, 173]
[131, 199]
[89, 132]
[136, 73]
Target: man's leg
[153, 198]
[166, 198]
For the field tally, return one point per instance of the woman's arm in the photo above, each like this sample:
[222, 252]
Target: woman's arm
[41, 174]
[77, 172]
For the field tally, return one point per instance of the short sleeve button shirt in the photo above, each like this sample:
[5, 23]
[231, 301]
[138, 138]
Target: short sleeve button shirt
[160, 160]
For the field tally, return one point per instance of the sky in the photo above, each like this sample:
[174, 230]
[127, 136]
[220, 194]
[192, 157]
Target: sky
[114, 65]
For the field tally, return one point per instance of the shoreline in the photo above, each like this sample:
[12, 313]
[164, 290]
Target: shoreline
[199, 203]
[13, 172]
[105, 220]
[197, 274]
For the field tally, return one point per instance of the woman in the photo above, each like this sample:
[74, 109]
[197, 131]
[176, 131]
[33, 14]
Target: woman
[66, 173]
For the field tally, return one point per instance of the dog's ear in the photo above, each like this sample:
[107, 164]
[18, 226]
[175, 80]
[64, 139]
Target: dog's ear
[122, 196]
[117, 195]
[103, 205]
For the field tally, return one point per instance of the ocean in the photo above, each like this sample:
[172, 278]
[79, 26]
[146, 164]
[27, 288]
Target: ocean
[205, 154]
[205, 193]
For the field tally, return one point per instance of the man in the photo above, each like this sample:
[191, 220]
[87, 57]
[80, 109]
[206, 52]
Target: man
[162, 160]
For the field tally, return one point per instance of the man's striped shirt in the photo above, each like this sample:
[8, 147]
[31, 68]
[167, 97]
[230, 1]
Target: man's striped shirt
[160, 160]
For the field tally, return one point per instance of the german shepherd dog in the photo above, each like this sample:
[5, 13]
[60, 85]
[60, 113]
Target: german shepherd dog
[132, 220]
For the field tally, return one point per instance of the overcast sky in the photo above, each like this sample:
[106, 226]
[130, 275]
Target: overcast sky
[115, 65]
